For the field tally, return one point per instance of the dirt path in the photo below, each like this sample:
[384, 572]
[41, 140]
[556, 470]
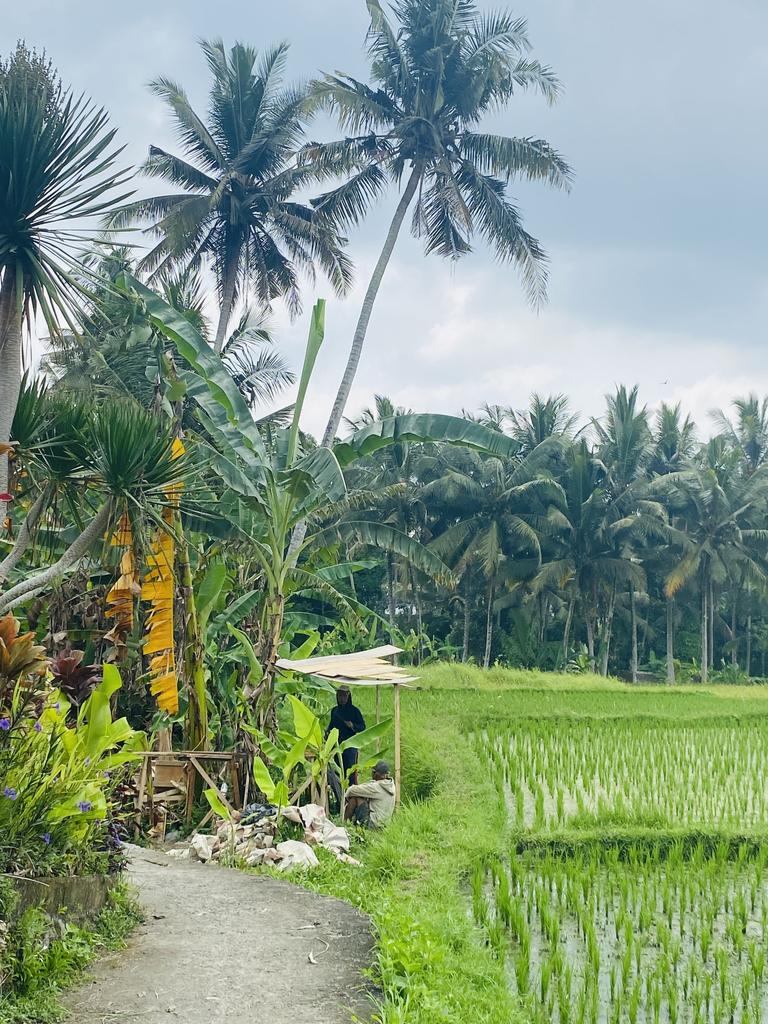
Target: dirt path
[221, 945]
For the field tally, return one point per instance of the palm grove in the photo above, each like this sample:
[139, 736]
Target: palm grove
[163, 509]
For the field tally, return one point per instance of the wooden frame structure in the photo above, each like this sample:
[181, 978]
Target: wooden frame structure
[367, 669]
[189, 764]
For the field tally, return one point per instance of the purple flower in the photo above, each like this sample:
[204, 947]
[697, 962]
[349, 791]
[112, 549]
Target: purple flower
[46, 838]
[57, 706]
[87, 761]
[38, 727]
[10, 792]
[106, 774]
[5, 724]
[85, 806]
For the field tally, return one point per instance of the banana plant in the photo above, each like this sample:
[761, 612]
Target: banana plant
[274, 479]
[305, 756]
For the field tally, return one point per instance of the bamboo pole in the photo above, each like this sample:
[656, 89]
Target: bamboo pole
[378, 716]
[396, 693]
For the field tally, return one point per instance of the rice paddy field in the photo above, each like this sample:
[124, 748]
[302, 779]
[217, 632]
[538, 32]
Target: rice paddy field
[634, 886]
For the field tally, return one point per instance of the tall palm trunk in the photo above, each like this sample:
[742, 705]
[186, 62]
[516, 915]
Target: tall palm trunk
[567, 629]
[633, 614]
[374, 284]
[748, 655]
[489, 624]
[591, 641]
[467, 616]
[10, 369]
[734, 627]
[419, 615]
[607, 631]
[670, 640]
[711, 624]
[227, 301]
[704, 628]
[391, 608]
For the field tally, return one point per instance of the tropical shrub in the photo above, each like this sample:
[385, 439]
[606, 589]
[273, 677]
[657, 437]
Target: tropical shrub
[55, 777]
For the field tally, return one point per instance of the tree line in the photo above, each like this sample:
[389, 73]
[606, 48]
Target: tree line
[627, 545]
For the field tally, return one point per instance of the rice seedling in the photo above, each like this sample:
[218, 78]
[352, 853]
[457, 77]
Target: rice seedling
[635, 892]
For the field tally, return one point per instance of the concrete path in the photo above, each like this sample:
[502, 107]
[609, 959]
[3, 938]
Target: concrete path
[221, 945]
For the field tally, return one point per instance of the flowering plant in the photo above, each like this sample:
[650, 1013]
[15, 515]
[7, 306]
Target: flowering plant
[55, 777]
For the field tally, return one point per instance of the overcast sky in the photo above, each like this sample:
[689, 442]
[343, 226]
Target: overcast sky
[658, 256]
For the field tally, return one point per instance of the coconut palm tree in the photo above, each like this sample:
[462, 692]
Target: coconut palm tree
[437, 69]
[234, 204]
[673, 449]
[722, 538]
[494, 511]
[674, 440]
[748, 435]
[57, 171]
[588, 563]
[117, 352]
[544, 417]
[394, 476]
[623, 447]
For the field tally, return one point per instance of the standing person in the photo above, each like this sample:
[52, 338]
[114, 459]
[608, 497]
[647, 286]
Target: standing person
[348, 719]
[373, 803]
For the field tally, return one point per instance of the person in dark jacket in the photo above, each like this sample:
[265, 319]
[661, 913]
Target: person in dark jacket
[349, 720]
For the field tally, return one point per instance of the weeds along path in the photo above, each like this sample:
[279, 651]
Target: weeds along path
[222, 945]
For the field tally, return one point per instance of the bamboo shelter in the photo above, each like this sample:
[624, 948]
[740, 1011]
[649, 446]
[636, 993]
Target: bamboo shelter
[363, 668]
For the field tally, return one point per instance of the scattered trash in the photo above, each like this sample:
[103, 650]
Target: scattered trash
[294, 854]
[251, 836]
[204, 846]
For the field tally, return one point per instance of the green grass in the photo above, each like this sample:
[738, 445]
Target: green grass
[36, 968]
[432, 966]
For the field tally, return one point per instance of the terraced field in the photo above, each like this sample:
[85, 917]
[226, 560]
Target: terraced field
[636, 886]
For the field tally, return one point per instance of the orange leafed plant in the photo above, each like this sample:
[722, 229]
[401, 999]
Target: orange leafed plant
[158, 590]
[121, 596]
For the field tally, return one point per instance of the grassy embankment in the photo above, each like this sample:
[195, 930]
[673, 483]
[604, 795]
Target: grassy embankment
[36, 967]
[432, 964]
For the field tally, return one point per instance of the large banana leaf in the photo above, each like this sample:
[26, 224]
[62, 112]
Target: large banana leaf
[343, 570]
[209, 590]
[236, 611]
[387, 538]
[423, 427]
[315, 479]
[314, 342]
[218, 396]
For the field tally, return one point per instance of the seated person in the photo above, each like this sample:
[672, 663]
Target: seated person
[373, 803]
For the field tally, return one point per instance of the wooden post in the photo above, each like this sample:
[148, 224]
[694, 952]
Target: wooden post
[378, 716]
[396, 694]
[189, 803]
[235, 776]
[145, 766]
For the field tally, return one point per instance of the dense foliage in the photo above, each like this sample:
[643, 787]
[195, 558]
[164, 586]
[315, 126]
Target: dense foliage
[628, 547]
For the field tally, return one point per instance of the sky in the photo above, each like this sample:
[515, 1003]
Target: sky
[658, 262]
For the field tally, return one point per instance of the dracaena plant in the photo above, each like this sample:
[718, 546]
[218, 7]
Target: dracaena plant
[57, 172]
